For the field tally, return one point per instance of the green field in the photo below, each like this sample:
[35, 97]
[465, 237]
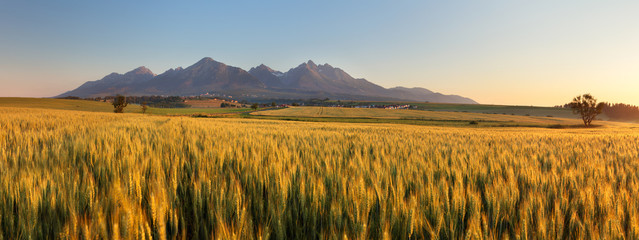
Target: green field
[438, 115]
[434, 115]
[481, 108]
[95, 106]
[62, 104]
[419, 117]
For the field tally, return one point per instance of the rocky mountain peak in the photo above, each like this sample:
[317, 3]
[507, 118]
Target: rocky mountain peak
[311, 64]
[140, 71]
[262, 67]
[207, 63]
[206, 59]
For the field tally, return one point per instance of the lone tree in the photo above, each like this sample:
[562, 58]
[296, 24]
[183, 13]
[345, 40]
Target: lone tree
[119, 103]
[255, 106]
[587, 106]
[144, 107]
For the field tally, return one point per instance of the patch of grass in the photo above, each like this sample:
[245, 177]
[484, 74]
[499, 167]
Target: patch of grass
[481, 108]
[192, 111]
[95, 106]
[416, 117]
[61, 104]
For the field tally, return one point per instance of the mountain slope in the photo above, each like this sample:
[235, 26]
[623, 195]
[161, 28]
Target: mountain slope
[325, 78]
[268, 76]
[207, 75]
[112, 83]
[305, 81]
[422, 94]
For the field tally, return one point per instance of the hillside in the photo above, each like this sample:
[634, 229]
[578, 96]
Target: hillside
[113, 83]
[305, 81]
[203, 76]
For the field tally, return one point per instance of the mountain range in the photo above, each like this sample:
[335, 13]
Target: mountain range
[305, 81]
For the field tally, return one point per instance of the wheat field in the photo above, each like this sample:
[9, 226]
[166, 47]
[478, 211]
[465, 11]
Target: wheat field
[87, 175]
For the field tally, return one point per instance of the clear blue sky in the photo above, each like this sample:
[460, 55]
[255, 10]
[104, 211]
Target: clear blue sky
[499, 52]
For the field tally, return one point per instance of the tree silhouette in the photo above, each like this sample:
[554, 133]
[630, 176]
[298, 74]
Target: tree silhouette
[144, 107]
[586, 105]
[119, 103]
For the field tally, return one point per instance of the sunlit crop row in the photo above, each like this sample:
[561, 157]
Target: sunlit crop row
[67, 174]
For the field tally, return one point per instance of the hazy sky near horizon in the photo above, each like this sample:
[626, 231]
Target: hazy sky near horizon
[495, 52]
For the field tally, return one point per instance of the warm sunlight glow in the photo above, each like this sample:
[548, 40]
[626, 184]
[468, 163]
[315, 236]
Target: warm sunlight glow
[295, 120]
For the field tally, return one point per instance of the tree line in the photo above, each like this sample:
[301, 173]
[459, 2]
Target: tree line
[620, 111]
[615, 111]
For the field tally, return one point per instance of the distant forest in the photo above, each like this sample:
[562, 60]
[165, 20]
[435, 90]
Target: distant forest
[620, 111]
[617, 111]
